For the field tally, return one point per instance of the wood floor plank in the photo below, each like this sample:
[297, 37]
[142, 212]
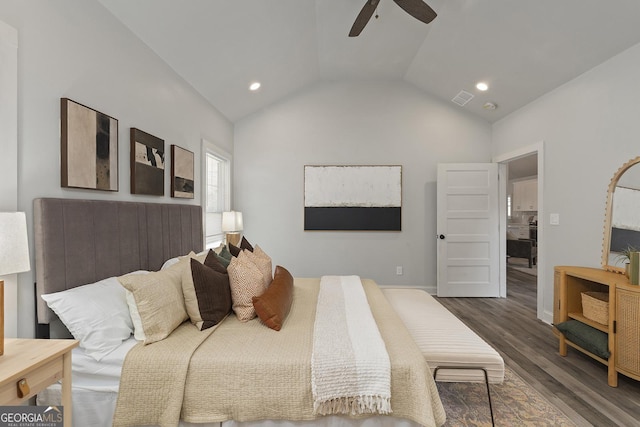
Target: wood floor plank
[576, 383]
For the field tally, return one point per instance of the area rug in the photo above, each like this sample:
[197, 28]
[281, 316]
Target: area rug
[515, 403]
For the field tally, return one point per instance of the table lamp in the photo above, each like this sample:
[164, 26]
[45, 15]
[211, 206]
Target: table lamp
[14, 254]
[232, 225]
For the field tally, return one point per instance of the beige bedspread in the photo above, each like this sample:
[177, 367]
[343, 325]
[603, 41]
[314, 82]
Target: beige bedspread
[246, 371]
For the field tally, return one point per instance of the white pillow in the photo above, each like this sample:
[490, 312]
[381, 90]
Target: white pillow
[97, 315]
[172, 261]
[138, 330]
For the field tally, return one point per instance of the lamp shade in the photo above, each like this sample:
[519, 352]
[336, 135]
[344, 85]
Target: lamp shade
[14, 248]
[232, 221]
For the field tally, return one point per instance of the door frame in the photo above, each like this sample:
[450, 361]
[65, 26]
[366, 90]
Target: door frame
[502, 160]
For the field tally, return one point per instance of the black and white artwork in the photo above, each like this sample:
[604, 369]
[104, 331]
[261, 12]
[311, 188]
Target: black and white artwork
[89, 148]
[182, 174]
[147, 163]
[353, 198]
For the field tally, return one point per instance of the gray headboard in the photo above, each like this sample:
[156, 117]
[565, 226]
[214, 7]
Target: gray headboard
[82, 241]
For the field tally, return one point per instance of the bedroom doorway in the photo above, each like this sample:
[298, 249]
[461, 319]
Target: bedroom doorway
[524, 168]
[522, 214]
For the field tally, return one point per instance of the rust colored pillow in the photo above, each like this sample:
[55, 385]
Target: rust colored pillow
[273, 305]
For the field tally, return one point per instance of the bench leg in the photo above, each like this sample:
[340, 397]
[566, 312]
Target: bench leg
[486, 380]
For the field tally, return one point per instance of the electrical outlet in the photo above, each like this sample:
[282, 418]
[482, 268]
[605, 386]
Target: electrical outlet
[399, 270]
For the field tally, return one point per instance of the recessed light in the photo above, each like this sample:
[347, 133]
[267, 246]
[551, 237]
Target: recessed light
[254, 86]
[482, 86]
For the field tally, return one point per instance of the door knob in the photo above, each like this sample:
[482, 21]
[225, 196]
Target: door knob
[441, 237]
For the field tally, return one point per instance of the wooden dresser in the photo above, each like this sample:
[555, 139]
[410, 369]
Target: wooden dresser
[623, 326]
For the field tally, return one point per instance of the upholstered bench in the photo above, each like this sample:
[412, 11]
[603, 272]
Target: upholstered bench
[453, 352]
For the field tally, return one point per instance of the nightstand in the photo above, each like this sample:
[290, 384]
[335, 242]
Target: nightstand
[40, 363]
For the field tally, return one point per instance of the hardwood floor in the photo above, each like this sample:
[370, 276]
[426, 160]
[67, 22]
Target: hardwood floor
[576, 383]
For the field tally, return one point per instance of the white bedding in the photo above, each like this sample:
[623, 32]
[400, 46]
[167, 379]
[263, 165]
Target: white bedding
[88, 374]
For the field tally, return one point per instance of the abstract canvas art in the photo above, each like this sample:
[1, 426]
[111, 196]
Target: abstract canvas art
[88, 148]
[353, 198]
[182, 184]
[147, 163]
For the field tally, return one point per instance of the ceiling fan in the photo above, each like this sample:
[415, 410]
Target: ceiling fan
[416, 8]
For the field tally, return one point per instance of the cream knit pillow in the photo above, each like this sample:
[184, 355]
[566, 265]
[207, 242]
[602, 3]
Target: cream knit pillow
[246, 282]
[261, 260]
[158, 300]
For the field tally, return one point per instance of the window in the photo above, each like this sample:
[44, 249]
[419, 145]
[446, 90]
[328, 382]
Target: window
[217, 173]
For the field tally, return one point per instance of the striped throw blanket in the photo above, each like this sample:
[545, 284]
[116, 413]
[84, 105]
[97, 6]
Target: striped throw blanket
[350, 367]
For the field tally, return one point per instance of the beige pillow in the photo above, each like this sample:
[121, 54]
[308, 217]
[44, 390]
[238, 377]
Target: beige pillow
[263, 262]
[246, 282]
[158, 300]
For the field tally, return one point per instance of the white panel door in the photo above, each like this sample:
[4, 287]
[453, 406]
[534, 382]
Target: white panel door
[468, 224]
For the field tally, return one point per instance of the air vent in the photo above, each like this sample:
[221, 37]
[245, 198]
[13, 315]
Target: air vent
[462, 98]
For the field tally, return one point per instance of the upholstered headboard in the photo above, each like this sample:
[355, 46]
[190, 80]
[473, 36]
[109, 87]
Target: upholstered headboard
[82, 241]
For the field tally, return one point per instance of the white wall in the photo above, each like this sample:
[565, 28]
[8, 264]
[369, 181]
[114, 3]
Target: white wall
[590, 127]
[9, 150]
[77, 49]
[354, 124]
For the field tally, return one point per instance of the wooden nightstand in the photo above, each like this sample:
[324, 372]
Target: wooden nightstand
[39, 362]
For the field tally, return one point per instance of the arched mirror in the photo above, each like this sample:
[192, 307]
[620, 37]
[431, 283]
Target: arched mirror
[622, 217]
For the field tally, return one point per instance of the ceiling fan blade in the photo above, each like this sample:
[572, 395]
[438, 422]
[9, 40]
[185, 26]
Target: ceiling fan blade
[363, 17]
[418, 9]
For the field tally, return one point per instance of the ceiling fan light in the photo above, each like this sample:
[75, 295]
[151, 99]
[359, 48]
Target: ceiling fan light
[482, 86]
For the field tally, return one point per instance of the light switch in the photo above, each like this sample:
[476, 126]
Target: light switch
[554, 219]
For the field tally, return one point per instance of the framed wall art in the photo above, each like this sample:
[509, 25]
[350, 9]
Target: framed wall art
[182, 183]
[88, 148]
[147, 163]
[353, 198]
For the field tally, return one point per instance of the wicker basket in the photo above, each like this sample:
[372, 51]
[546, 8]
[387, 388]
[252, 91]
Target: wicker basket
[595, 306]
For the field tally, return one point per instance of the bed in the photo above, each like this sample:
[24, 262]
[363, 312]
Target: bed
[80, 242]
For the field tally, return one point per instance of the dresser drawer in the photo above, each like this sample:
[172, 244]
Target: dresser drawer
[37, 379]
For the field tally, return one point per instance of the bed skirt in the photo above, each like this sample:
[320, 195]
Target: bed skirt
[95, 409]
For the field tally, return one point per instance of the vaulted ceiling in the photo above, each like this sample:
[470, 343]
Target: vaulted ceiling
[521, 49]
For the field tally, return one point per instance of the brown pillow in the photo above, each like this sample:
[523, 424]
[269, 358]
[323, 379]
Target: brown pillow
[234, 250]
[273, 305]
[213, 261]
[207, 295]
[244, 244]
